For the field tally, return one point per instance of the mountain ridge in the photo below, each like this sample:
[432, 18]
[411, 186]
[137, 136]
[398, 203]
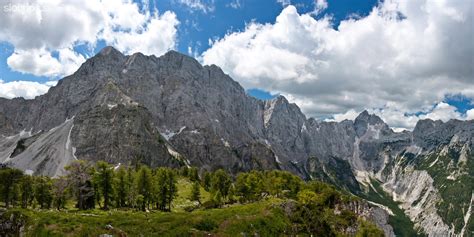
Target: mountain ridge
[172, 111]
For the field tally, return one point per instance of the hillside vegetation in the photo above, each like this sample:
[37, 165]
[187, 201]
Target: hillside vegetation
[131, 201]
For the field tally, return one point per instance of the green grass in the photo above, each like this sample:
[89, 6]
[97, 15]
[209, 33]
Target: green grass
[184, 194]
[402, 225]
[247, 219]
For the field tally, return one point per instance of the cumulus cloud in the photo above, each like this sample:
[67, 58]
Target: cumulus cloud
[42, 63]
[399, 59]
[25, 89]
[44, 33]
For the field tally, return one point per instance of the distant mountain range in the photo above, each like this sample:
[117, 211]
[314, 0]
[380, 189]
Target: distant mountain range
[172, 111]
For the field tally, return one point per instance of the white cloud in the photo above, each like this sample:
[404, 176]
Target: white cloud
[349, 115]
[236, 4]
[199, 5]
[157, 37]
[470, 114]
[319, 6]
[401, 57]
[26, 89]
[41, 63]
[44, 35]
[400, 121]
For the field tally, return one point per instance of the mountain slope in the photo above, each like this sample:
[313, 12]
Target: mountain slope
[172, 111]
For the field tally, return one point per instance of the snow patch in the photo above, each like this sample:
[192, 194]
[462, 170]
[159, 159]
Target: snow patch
[434, 162]
[111, 106]
[117, 166]
[24, 133]
[169, 134]
[277, 160]
[68, 141]
[451, 177]
[29, 172]
[178, 156]
[124, 71]
[303, 128]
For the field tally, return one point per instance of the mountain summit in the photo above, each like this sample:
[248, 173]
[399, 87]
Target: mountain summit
[172, 111]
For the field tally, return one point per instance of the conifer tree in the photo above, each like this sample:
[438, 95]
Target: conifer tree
[104, 178]
[196, 192]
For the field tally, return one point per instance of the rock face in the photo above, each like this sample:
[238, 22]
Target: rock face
[172, 111]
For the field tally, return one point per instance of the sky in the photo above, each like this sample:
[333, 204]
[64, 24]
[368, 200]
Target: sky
[402, 60]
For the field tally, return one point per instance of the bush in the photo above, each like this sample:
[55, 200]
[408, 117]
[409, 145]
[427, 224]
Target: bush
[210, 204]
[206, 225]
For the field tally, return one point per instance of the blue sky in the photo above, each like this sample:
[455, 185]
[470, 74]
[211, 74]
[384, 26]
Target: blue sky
[371, 61]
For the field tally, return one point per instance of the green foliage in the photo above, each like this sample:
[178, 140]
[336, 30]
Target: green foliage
[10, 179]
[454, 180]
[26, 191]
[60, 192]
[166, 189]
[196, 192]
[206, 225]
[193, 174]
[206, 181]
[220, 182]
[144, 187]
[367, 229]
[249, 186]
[122, 187]
[43, 191]
[319, 209]
[402, 225]
[104, 179]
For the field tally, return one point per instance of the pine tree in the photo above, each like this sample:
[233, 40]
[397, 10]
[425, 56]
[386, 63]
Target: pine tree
[26, 191]
[206, 181]
[122, 187]
[144, 186]
[104, 179]
[9, 178]
[193, 174]
[196, 192]
[221, 182]
[131, 188]
[165, 189]
[43, 192]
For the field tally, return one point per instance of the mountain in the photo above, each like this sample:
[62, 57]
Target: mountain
[172, 111]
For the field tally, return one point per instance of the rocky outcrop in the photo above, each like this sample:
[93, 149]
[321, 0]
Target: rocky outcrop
[371, 213]
[12, 223]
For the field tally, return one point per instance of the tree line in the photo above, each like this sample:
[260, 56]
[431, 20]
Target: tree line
[312, 207]
[142, 188]
[101, 184]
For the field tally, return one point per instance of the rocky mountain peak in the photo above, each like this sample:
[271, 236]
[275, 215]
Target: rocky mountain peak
[364, 120]
[110, 51]
[178, 60]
